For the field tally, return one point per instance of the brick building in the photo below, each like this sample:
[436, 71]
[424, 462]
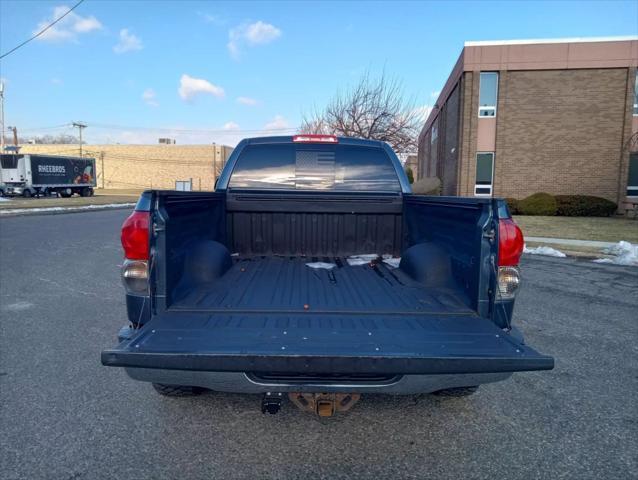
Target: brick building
[149, 166]
[520, 117]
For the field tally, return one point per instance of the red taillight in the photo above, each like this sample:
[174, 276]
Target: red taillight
[510, 243]
[313, 138]
[135, 236]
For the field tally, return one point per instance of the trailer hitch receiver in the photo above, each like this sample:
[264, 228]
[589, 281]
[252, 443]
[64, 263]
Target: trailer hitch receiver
[324, 404]
[271, 402]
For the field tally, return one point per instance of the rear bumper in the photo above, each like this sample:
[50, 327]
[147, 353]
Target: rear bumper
[238, 382]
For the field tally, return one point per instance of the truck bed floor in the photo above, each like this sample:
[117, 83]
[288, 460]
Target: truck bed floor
[286, 284]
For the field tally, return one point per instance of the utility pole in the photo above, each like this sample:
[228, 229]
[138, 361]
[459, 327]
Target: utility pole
[214, 166]
[102, 162]
[80, 126]
[1, 117]
[15, 135]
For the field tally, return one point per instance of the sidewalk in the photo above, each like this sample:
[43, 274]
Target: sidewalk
[570, 242]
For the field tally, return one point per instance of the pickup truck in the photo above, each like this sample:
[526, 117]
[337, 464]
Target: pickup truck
[313, 272]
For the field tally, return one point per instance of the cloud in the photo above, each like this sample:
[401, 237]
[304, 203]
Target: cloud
[247, 101]
[253, 34]
[423, 112]
[128, 42]
[189, 87]
[277, 123]
[69, 27]
[216, 20]
[149, 98]
[230, 126]
[149, 136]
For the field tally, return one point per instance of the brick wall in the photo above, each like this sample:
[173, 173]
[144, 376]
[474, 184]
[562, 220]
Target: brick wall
[147, 166]
[423, 155]
[439, 158]
[559, 131]
[469, 115]
[449, 145]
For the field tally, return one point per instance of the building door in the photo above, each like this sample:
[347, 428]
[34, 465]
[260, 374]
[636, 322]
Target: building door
[484, 173]
[632, 177]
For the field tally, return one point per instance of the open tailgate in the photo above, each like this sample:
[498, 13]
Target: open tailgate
[316, 343]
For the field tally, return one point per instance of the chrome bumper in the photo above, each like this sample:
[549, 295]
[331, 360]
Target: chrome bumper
[237, 382]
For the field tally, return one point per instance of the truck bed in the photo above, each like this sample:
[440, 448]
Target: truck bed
[277, 284]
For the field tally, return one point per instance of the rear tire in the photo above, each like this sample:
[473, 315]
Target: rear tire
[26, 193]
[177, 390]
[456, 392]
[85, 192]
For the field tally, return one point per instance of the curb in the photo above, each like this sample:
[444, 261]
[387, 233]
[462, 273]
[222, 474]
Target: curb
[54, 211]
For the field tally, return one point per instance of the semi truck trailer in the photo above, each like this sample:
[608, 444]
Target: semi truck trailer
[28, 175]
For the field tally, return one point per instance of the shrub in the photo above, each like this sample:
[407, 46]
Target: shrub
[512, 204]
[410, 174]
[584, 206]
[538, 204]
[427, 186]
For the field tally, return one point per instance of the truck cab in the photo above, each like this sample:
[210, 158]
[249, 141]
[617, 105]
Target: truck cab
[313, 272]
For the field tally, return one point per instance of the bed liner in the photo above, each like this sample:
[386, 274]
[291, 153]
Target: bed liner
[287, 284]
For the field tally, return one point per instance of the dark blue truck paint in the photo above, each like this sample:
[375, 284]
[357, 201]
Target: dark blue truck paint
[263, 311]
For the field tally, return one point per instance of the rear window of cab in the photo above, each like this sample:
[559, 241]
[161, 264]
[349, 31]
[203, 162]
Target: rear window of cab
[314, 167]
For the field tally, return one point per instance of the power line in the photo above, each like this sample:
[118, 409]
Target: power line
[191, 131]
[40, 129]
[41, 31]
[164, 129]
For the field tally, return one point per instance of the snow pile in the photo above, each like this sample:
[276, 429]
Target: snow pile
[326, 265]
[392, 262]
[623, 253]
[13, 211]
[356, 260]
[3, 199]
[547, 251]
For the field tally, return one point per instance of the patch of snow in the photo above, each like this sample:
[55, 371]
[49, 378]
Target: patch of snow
[4, 199]
[393, 262]
[17, 307]
[623, 253]
[11, 211]
[543, 250]
[326, 265]
[363, 259]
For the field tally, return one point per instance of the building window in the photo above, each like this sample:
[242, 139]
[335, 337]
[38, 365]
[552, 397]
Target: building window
[632, 178]
[636, 94]
[488, 93]
[484, 173]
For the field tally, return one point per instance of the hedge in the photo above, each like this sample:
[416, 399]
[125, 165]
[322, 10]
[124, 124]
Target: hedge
[512, 204]
[584, 206]
[538, 204]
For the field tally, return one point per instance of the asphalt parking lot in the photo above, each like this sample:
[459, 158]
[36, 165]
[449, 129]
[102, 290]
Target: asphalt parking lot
[64, 415]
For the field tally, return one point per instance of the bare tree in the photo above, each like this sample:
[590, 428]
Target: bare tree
[62, 138]
[375, 109]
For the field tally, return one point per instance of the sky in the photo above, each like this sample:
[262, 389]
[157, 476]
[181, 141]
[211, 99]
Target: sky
[204, 72]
